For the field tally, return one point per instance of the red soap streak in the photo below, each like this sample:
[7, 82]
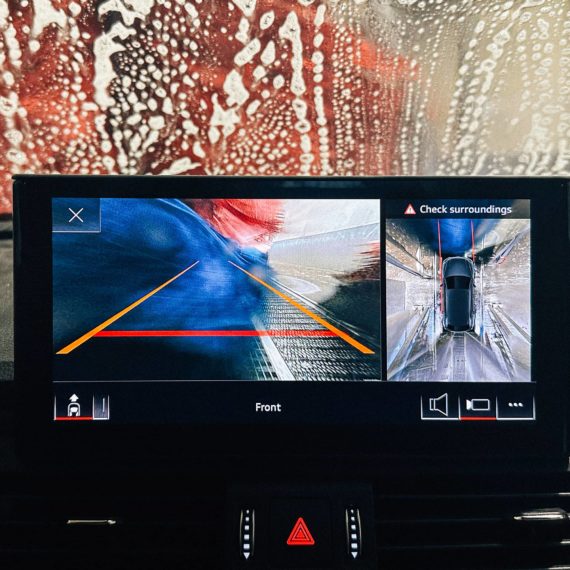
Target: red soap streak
[300, 333]
[41, 114]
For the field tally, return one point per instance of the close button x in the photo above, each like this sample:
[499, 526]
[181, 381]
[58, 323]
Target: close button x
[75, 215]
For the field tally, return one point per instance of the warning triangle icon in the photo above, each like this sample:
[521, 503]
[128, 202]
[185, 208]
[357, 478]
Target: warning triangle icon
[409, 211]
[300, 535]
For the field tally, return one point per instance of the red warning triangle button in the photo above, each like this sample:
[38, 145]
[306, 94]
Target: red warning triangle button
[409, 211]
[300, 535]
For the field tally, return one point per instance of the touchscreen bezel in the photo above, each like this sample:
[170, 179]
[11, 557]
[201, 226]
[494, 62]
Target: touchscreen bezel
[33, 323]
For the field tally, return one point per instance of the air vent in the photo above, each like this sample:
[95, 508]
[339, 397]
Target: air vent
[474, 532]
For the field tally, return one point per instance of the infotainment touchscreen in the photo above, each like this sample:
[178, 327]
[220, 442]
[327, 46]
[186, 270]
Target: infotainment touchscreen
[418, 317]
[172, 309]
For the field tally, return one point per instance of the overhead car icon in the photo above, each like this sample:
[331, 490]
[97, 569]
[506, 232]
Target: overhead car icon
[458, 294]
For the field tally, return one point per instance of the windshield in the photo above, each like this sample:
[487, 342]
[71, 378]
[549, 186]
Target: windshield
[458, 282]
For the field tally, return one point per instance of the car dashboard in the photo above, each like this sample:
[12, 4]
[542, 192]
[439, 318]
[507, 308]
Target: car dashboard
[286, 373]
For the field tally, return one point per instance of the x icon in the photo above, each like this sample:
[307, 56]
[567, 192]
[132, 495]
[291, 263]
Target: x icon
[75, 215]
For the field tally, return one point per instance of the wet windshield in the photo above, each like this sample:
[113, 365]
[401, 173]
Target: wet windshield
[264, 87]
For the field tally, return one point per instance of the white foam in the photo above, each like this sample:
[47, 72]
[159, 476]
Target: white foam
[135, 9]
[16, 156]
[246, 6]
[167, 106]
[156, 122]
[248, 52]
[193, 13]
[75, 9]
[214, 135]
[189, 127]
[267, 20]
[259, 72]
[227, 119]
[320, 15]
[198, 150]
[268, 54]
[44, 15]
[179, 166]
[235, 90]
[252, 107]
[4, 13]
[104, 47]
[291, 30]
[243, 31]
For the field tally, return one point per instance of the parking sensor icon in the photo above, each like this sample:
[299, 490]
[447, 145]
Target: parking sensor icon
[478, 405]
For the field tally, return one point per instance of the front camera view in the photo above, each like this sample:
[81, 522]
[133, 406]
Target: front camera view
[458, 291]
[216, 289]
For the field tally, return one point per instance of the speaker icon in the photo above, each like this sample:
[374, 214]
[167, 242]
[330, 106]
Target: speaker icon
[440, 404]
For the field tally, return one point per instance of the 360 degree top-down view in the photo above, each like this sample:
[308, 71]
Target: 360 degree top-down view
[458, 299]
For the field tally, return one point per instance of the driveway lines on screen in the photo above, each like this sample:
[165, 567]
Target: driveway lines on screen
[347, 338]
[84, 338]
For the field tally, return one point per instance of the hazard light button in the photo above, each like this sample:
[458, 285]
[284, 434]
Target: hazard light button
[301, 533]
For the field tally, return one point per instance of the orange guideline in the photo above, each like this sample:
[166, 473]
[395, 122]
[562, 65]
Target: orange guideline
[84, 338]
[347, 338]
